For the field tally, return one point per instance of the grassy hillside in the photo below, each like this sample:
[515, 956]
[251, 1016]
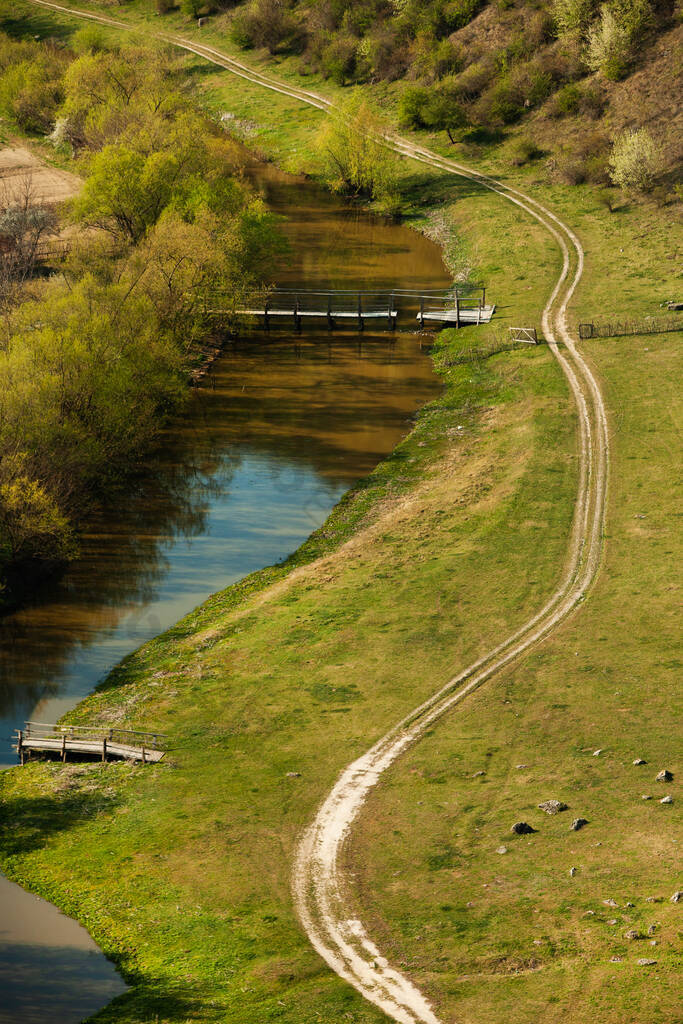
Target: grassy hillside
[453, 541]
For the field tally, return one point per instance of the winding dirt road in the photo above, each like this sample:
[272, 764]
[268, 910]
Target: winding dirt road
[318, 883]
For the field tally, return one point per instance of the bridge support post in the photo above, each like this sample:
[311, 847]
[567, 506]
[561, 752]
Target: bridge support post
[63, 746]
[20, 746]
[297, 318]
[104, 748]
[390, 313]
[266, 319]
[457, 310]
[330, 321]
[422, 311]
[360, 313]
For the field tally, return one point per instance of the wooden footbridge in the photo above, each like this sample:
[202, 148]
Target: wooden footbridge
[457, 306]
[89, 740]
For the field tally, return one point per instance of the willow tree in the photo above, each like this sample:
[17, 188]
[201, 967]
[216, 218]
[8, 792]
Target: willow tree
[358, 161]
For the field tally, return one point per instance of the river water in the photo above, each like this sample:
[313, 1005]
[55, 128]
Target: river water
[282, 426]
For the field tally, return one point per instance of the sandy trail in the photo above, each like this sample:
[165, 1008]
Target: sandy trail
[19, 167]
[318, 882]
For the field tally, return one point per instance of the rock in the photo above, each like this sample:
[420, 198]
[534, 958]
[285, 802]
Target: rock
[552, 806]
[478, 774]
[610, 902]
[293, 775]
[589, 913]
[677, 896]
[615, 960]
[502, 849]
[644, 962]
[639, 760]
[538, 942]
[596, 753]
[520, 766]
[612, 920]
[629, 904]
[572, 872]
[578, 823]
[653, 942]
[653, 899]
[633, 935]
[652, 929]
[646, 796]
[665, 776]
[667, 799]
[522, 828]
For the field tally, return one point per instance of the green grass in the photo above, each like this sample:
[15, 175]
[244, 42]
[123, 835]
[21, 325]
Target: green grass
[609, 678]
[181, 872]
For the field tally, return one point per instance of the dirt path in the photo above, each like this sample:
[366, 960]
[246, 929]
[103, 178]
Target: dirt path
[318, 883]
[20, 168]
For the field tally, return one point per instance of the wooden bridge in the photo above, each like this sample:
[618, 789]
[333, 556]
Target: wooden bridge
[91, 740]
[458, 306]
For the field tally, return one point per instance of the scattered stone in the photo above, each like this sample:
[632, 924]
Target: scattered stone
[652, 929]
[667, 799]
[578, 823]
[610, 902]
[653, 899]
[639, 760]
[665, 776]
[653, 942]
[293, 775]
[615, 960]
[477, 774]
[552, 806]
[589, 913]
[646, 796]
[520, 766]
[596, 753]
[522, 828]
[538, 942]
[502, 849]
[572, 872]
[629, 904]
[612, 920]
[677, 896]
[633, 935]
[644, 962]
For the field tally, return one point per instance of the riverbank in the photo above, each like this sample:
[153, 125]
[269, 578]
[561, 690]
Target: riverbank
[300, 668]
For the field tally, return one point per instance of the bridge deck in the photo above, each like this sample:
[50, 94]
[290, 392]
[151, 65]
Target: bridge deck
[112, 749]
[464, 316]
[99, 741]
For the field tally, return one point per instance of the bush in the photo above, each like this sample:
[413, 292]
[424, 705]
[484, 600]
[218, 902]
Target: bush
[635, 161]
[523, 152]
[267, 23]
[338, 60]
[572, 16]
[613, 39]
[576, 99]
[89, 39]
[31, 91]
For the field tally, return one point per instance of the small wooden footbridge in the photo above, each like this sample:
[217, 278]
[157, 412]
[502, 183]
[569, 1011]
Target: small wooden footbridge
[457, 307]
[89, 741]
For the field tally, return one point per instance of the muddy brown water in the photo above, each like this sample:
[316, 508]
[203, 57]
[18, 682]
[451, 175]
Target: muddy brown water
[280, 429]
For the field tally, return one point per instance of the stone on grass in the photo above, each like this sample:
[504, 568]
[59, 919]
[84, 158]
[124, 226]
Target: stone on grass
[667, 799]
[652, 929]
[293, 775]
[677, 896]
[578, 823]
[520, 766]
[646, 796]
[610, 902]
[572, 872]
[665, 776]
[633, 935]
[639, 760]
[522, 828]
[615, 959]
[552, 806]
[644, 962]
[653, 899]
[477, 774]
[596, 753]
[502, 849]
[612, 920]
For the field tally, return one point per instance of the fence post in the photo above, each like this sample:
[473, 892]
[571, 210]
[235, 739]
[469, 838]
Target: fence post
[63, 746]
[422, 311]
[266, 319]
[330, 322]
[457, 309]
[143, 753]
[391, 309]
[20, 745]
[360, 313]
[104, 748]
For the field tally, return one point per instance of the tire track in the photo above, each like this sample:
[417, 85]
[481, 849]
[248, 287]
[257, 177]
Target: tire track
[318, 882]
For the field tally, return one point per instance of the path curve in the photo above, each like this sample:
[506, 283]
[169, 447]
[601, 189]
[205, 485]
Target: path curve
[318, 882]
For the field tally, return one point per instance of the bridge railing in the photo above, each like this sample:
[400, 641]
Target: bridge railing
[129, 737]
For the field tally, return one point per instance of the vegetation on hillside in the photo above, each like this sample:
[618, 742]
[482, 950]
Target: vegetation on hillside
[94, 357]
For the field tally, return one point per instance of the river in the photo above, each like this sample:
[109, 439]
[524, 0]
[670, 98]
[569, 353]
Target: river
[278, 431]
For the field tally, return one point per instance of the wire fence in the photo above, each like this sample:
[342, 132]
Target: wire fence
[624, 328]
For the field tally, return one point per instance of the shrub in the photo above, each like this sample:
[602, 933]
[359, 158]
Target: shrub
[338, 59]
[635, 161]
[89, 39]
[572, 16]
[613, 39]
[267, 23]
[523, 151]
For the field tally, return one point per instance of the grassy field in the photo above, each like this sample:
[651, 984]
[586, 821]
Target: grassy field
[181, 872]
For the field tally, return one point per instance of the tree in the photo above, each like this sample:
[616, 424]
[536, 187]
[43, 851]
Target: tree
[612, 41]
[432, 108]
[635, 161]
[358, 163]
[31, 522]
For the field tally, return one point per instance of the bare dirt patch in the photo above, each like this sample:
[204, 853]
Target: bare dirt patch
[49, 185]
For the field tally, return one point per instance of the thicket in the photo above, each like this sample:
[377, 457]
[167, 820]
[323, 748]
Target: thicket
[93, 358]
